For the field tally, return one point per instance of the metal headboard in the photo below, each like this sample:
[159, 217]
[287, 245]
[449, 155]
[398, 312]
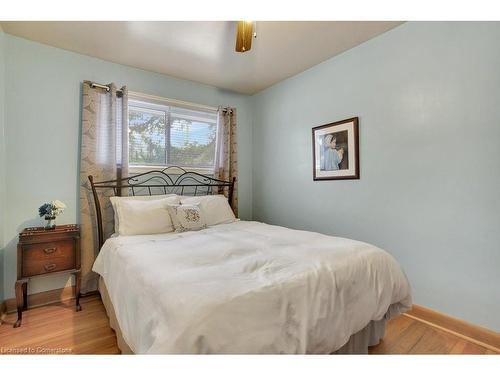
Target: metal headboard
[171, 180]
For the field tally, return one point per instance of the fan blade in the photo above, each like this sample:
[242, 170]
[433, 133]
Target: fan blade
[244, 36]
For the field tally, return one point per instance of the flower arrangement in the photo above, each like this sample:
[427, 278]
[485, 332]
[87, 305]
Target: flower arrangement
[50, 211]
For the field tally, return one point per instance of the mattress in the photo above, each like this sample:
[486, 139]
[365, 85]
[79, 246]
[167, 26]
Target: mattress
[248, 287]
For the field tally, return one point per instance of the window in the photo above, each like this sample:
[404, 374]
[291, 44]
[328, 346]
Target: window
[164, 135]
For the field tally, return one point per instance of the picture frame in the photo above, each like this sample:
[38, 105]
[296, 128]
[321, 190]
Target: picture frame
[336, 150]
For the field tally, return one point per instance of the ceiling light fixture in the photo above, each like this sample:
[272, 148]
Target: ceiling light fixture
[244, 34]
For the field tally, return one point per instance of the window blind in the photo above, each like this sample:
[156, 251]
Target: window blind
[164, 135]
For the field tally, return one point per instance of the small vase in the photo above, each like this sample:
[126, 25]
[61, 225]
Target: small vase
[51, 222]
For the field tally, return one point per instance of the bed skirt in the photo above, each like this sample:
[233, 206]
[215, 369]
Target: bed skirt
[357, 344]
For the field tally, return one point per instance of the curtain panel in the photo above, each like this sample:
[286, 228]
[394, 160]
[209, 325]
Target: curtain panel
[226, 167]
[104, 155]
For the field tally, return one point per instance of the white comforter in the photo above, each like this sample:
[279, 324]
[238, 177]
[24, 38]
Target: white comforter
[248, 287]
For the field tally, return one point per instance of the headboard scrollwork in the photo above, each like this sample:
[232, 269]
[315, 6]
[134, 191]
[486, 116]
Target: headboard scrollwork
[171, 180]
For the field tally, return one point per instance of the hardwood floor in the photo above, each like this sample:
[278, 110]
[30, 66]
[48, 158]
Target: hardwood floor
[58, 329]
[405, 335]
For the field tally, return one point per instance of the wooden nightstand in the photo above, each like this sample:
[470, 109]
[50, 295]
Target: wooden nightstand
[43, 252]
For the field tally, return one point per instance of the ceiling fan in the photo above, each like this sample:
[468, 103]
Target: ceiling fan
[244, 35]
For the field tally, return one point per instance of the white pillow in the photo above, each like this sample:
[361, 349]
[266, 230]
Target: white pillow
[187, 217]
[215, 208]
[115, 202]
[145, 216]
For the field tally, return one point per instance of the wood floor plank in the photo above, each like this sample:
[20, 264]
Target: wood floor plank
[402, 339]
[393, 332]
[465, 347]
[59, 329]
[434, 342]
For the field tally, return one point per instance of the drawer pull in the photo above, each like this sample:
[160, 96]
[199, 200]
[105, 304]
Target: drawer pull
[50, 267]
[50, 250]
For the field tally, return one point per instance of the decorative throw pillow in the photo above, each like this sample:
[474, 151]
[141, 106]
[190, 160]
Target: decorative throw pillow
[187, 217]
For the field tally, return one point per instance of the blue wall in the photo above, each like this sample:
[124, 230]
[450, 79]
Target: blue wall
[42, 126]
[428, 99]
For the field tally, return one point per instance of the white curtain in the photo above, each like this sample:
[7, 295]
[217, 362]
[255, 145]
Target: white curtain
[104, 155]
[226, 166]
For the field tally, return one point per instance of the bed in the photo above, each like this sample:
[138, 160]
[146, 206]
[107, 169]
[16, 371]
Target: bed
[244, 287]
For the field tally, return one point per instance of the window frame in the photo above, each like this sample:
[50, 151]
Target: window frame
[156, 103]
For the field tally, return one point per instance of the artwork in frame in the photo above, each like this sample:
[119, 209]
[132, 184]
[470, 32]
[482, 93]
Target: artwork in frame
[336, 150]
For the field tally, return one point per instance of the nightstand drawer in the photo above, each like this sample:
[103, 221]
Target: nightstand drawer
[47, 257]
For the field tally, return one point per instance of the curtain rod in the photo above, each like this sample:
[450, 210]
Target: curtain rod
[147, 96]
[93, 84]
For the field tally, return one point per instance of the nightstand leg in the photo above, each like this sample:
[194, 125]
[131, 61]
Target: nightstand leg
[25, 296]
[78, 281]
[20, 301]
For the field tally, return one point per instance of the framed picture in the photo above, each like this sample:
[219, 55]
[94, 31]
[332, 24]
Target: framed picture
[336, 150]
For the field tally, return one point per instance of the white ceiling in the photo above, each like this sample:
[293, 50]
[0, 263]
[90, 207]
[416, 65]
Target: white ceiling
[204, 51]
